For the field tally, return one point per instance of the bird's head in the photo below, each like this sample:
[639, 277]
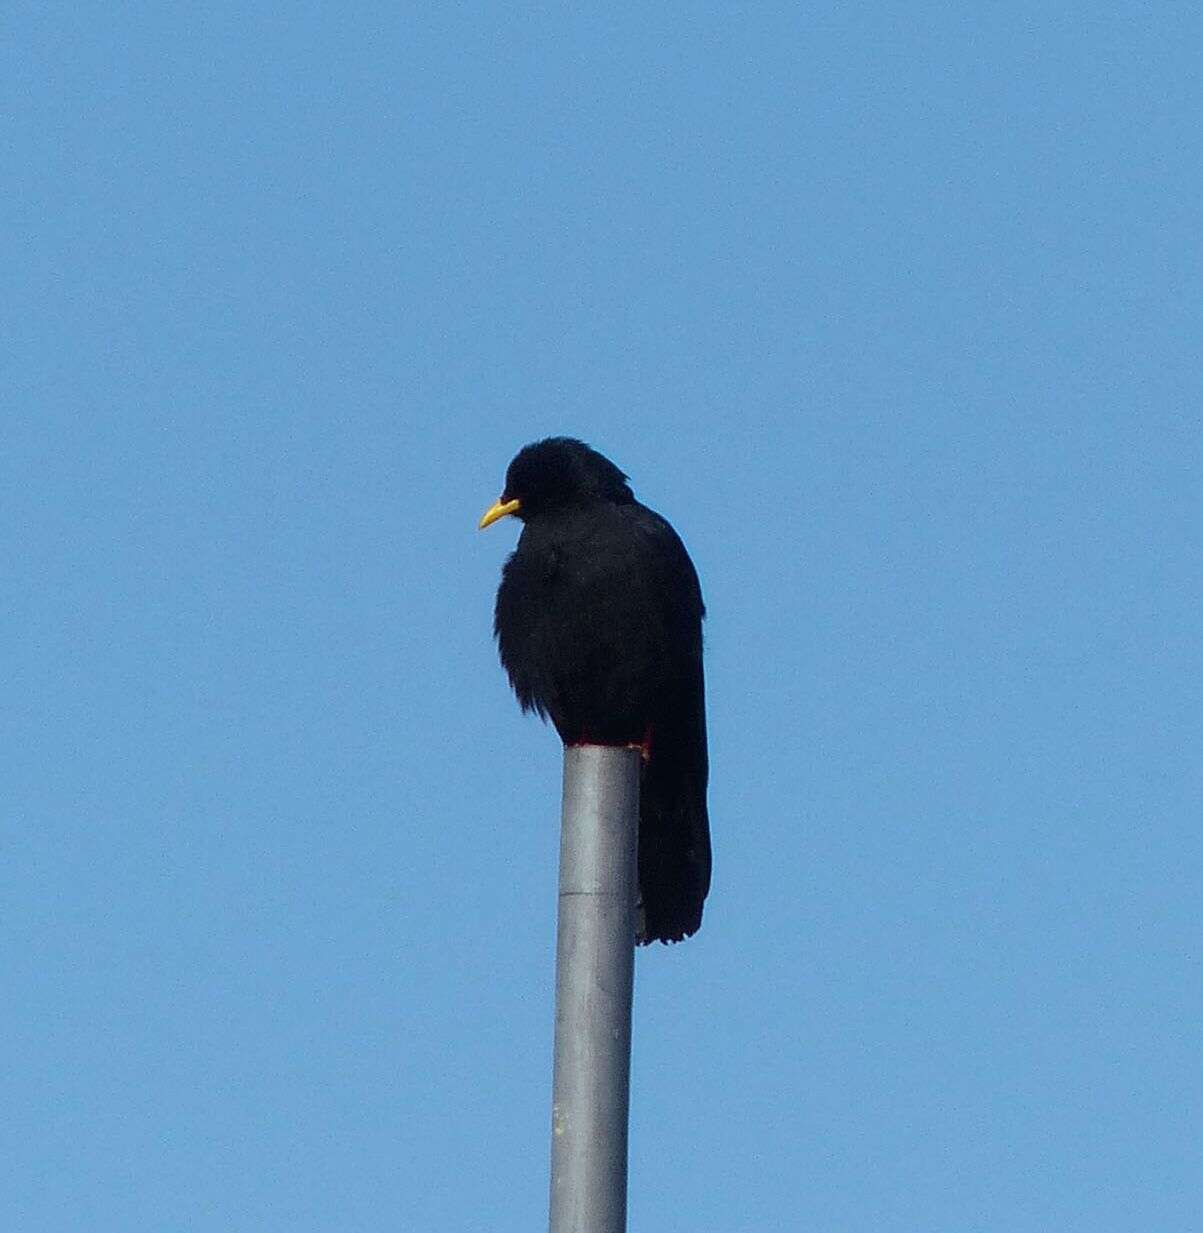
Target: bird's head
[556, 473]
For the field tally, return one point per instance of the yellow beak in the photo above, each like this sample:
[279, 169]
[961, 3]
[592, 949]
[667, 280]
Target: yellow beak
[499, 509]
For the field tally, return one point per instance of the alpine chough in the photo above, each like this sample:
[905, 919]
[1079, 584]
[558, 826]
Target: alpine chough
[599, 625]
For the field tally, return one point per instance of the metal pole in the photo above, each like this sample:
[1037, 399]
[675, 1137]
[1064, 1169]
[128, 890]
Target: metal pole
[595, 959]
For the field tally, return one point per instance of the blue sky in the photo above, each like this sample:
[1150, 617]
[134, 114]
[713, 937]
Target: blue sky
[895, 311]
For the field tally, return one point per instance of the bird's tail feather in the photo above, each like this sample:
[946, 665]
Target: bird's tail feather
[674, 852]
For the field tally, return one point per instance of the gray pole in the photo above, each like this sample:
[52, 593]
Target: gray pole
[595, 959]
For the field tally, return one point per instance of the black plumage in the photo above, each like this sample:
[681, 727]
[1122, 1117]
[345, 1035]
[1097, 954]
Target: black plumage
[599, 625]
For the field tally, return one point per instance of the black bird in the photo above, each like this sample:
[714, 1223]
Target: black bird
[599, 625]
